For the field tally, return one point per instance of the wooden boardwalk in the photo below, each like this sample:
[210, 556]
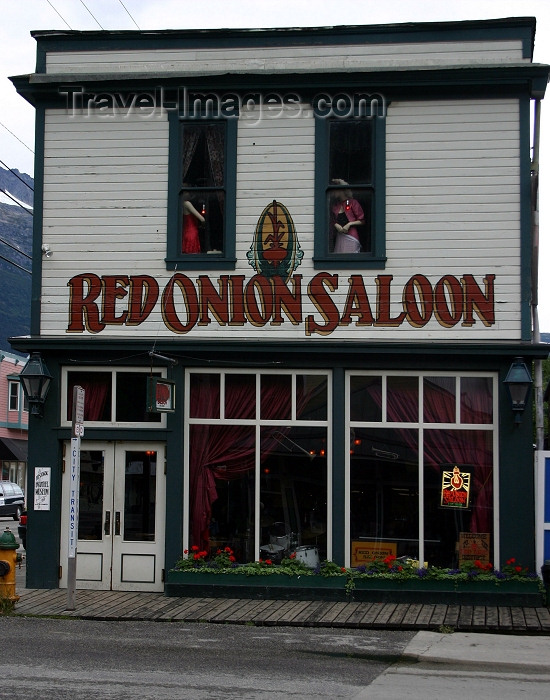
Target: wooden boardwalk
[112, 605]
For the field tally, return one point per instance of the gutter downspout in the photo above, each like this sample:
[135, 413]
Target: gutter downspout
[539, 399]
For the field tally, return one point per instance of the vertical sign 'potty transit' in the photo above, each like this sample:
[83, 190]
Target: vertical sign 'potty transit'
[74, 490]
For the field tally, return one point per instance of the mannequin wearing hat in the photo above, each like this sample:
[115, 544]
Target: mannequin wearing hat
[346, 215]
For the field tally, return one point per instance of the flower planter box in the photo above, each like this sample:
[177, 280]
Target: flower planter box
[283, 587]
[269, 586]
[522, 593]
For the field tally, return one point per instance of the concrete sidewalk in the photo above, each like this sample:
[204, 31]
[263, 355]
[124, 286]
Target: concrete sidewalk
[461, 665]
[512, 653]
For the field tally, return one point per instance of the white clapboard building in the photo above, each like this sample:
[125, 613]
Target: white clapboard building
[291, 270]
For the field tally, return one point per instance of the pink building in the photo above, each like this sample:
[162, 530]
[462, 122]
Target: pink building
[14, 419]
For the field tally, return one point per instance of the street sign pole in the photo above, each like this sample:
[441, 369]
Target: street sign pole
[74, 491]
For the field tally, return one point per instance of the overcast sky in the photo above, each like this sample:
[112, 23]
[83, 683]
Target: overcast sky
[18, 52]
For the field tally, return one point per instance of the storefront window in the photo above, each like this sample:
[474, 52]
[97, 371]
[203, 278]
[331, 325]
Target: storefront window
[416, 490]
[258, 481]
[111, 397]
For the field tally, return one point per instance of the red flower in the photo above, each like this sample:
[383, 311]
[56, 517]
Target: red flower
[202, 554]
[293, 555]
[186, 551]
[232, 558]
[343, 569]
[478, 564]
[518, 569]
[399, 568]
[268, 562]
[196, 556]
[219, 551]
[488, 566]
[228, 550]
[511, 561]
[194, 548]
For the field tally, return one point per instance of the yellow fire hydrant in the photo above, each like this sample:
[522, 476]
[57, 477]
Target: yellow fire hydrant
[8, 559]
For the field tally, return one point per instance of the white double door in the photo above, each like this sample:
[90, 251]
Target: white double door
[120, 543]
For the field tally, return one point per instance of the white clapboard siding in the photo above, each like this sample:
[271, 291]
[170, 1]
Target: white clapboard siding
[318, 58]
[452, 208]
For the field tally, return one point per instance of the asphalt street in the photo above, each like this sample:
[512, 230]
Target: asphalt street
[79, 659]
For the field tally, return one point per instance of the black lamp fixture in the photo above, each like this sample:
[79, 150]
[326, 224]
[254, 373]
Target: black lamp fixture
[519, 383]
[36, 381]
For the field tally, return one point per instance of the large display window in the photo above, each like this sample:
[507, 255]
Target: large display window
[422, 450]
[256, 464]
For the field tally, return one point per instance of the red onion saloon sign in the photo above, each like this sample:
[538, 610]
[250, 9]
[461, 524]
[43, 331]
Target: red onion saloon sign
[275, 295]
[95, 302]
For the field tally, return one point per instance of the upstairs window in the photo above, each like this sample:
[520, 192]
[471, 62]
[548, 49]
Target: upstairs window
[349, 218]
[201, 209]
[13, 396]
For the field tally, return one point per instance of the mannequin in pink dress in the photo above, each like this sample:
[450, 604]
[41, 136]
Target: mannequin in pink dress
[190, 242]
[346, 214]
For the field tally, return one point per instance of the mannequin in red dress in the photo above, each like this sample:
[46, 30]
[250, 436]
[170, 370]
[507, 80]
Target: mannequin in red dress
[190, 242]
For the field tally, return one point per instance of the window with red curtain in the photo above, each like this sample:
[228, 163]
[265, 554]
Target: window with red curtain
[458, 402]
[223, 455]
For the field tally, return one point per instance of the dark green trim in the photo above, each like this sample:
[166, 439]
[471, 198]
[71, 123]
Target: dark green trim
[483, 80]
[175, 260]
[38, 211]
[115, 350]
[175, 447]
[339, 447]
[516, 480]
[522, 28]
[43, 545]
[526, 237]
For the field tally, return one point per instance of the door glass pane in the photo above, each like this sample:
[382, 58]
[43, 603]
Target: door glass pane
[91, 495]
[140, 496]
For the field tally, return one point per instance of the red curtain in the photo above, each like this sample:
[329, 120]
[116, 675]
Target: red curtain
[227, 451]
[98, 390]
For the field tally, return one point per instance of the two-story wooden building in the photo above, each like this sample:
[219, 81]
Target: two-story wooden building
[291, 269]
[14, 420]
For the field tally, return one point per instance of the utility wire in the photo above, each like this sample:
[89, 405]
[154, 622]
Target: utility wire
[2, 240]
[17, 137]
[17, 176]
[129, 15]
[53, 8]
[15, 200]
[15, 265]
[83, 3]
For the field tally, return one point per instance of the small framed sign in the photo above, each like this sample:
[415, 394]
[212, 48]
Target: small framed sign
[161, 395]
[455, 487]
[42, 485]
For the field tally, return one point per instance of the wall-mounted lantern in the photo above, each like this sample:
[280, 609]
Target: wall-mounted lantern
[519, 383]
[36, 380]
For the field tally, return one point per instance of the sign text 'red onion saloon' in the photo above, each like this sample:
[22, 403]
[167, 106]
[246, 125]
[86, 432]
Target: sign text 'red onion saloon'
[115, 300]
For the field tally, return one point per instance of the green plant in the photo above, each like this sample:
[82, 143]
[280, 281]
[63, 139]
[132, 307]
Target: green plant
[223, 562]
